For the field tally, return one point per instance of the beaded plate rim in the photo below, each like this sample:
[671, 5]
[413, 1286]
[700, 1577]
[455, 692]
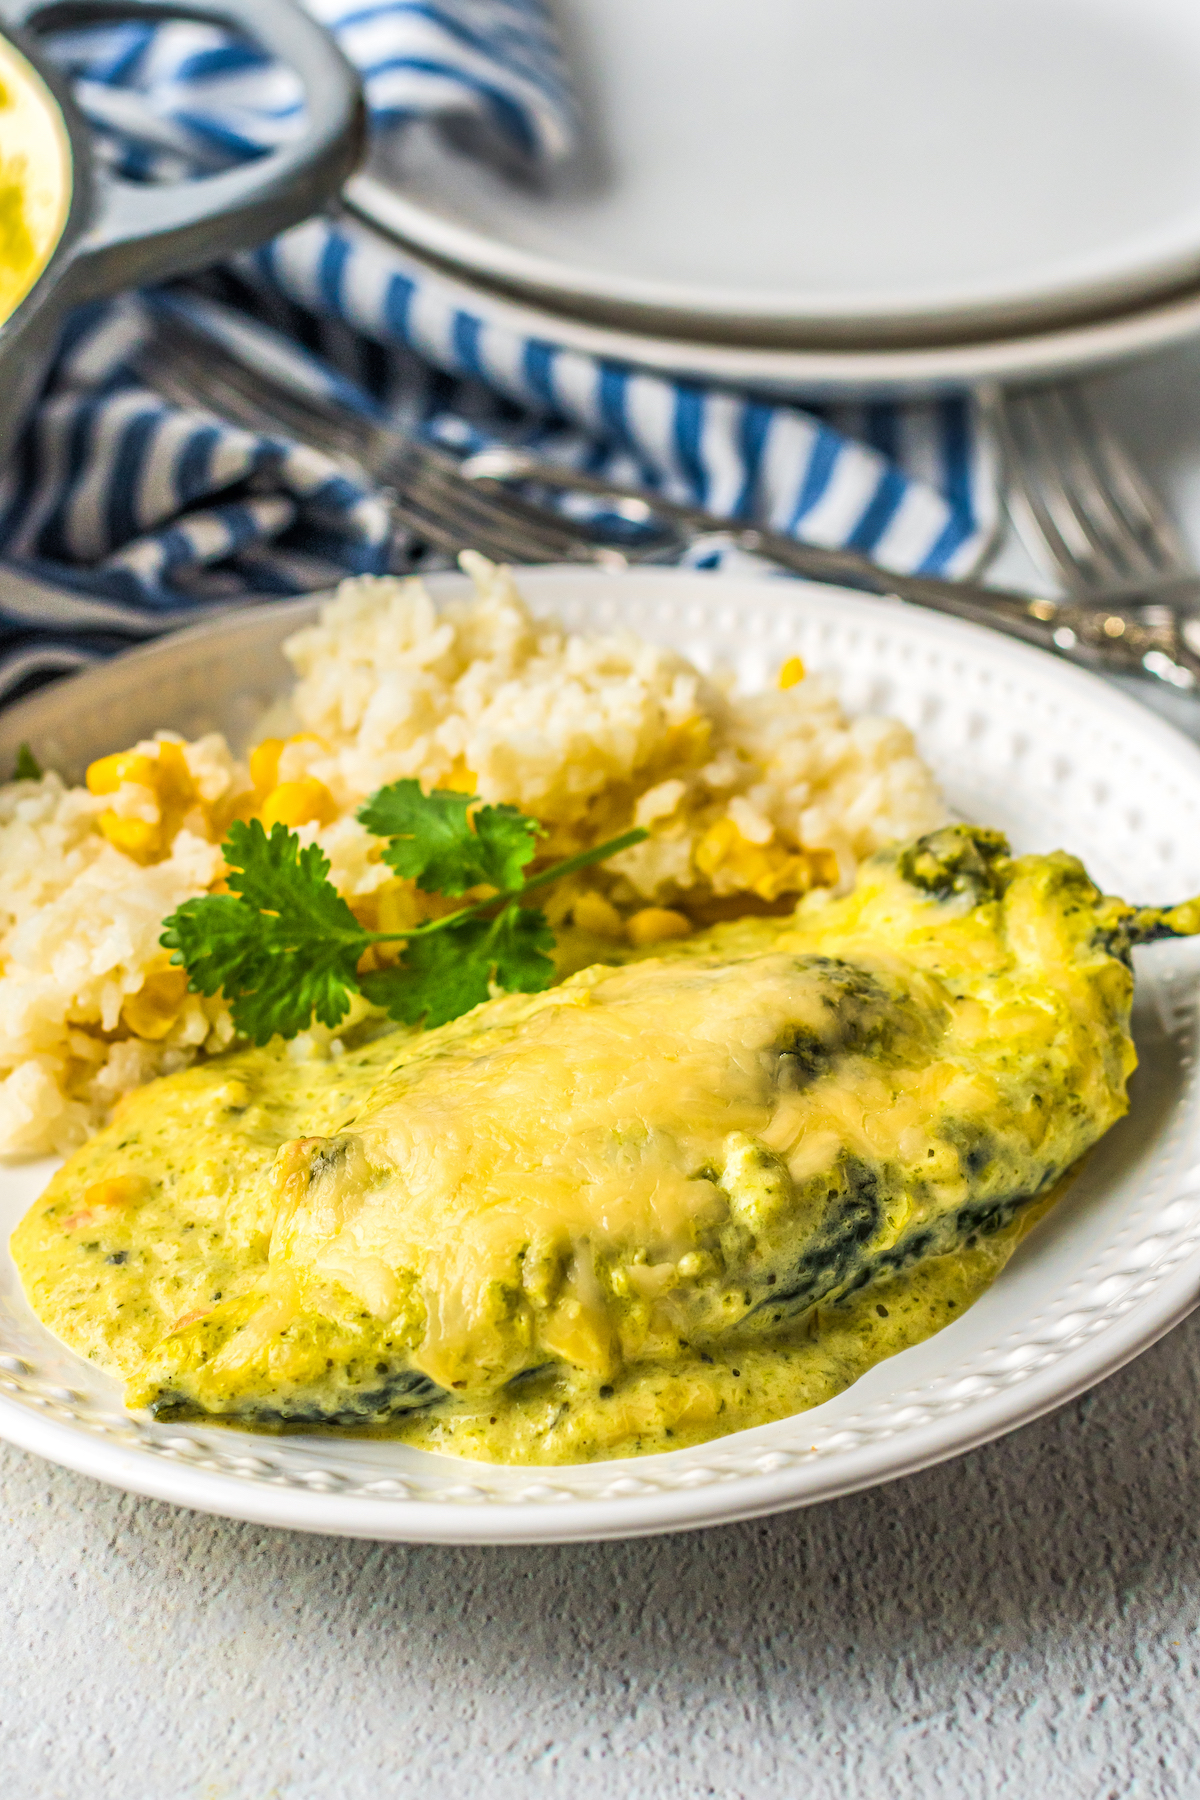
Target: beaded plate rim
[1140, 1282]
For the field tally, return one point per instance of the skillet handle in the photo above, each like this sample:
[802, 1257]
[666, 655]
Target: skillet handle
[143, 234]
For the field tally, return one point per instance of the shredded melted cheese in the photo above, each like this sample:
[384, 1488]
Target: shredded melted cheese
[663, 1200]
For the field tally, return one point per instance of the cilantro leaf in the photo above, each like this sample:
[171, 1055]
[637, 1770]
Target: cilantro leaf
[275, 875]
[447, 972]
[428, 832]
[508, 841]
[433, 840]
[521, 936]
[441, 976]
[282, 945]
[28, 768]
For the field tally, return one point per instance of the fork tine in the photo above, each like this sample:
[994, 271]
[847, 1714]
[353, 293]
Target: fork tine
[435, 532]
[425, 486]
[536, 527]
[1075, 493]
[440, 530]
[188, 343]
[1090, 491]
[449, 528]
[1043, 482]
[516, 531]
[1034, 515]
[231, 391]
[448, 510]
[479, 522]
[1067, 434]
[1131, 495]
[495, 525]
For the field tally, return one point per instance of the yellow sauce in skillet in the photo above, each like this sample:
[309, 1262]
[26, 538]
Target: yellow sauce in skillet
[35, 177]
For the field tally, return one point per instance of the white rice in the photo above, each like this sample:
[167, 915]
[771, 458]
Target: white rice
[760, 795]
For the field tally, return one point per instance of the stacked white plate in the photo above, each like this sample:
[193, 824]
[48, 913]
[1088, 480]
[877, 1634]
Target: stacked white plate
[850, 196]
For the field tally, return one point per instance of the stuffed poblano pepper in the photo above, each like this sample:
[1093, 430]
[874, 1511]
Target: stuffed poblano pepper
[665, 1199]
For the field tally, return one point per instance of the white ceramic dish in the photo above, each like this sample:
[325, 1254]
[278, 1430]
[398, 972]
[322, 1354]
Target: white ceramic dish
[1047, 753]
[805, 374]
[858, 174]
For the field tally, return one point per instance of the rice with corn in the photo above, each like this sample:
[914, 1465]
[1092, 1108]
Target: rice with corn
[749, 801]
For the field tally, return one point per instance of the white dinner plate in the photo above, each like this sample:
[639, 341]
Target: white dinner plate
[1019, 740]
[859, 173]
[811, 374]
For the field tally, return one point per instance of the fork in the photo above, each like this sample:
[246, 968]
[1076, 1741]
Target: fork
[425, 493]
[1076, 494]
[470, 505]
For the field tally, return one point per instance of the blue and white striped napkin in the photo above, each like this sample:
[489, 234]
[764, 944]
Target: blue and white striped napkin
[151, 516]
[172, 98]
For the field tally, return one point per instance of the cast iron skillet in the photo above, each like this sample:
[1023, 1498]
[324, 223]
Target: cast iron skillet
[120, 234]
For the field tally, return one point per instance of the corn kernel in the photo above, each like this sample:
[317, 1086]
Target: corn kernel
[715, 847]
[264, 765]
[133, 837]
[592, 912]
[780, 874]
[768, 870]
[167, 777]
[151, 1012]
[822, 867]
[365, 908]
[299, 803]
[107, 774]
[398, 906]
[172, 780]
[792, 672]
[654, 924]
[460, 779]
[118, 1190]
[580, 1335]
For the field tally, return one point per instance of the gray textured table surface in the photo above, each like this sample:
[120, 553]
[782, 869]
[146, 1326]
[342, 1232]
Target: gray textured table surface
[1022, 1622]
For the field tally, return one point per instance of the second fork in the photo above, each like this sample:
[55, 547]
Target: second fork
[1078, 499]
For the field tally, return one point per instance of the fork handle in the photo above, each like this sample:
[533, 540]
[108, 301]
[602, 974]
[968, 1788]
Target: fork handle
[1139, 638]
[1133, 637]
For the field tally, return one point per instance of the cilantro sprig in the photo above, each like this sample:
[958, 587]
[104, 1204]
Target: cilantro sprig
[284, 947]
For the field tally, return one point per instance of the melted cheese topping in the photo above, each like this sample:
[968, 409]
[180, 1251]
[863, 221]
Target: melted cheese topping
[35, 176]
[664, 1200]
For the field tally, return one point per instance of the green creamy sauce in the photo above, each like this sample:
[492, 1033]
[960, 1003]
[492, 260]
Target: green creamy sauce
[565, 1418]
[663, 1202]
[113, 1281]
